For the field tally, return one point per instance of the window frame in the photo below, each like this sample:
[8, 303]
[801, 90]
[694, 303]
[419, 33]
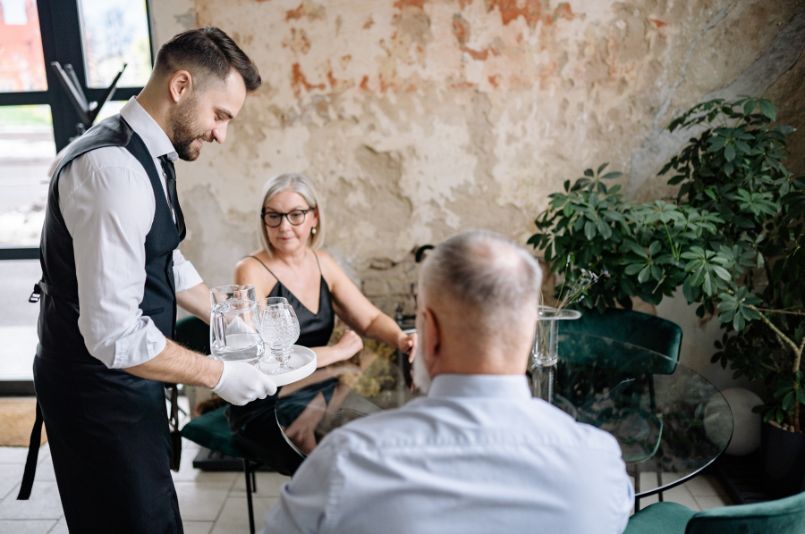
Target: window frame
[60, 29]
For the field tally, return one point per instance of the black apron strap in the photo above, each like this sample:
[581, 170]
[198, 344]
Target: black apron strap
[33, 456]
[176, 436]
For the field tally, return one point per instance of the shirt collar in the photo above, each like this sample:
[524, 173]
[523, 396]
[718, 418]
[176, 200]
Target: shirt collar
[152, 134]
[480, 386]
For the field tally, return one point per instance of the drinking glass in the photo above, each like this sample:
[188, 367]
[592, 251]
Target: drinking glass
[279, 328]
[234, 324]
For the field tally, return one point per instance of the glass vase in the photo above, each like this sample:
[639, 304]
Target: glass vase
[545, 351]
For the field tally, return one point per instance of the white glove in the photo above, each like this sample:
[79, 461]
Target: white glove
[242, 383]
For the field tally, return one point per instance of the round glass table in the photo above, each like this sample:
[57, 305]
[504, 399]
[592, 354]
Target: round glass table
[670, 422]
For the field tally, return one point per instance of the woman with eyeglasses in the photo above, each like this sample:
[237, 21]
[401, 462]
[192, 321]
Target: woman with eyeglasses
[291, 264]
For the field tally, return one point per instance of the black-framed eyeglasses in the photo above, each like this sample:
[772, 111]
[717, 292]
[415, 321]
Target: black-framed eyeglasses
[274, 218]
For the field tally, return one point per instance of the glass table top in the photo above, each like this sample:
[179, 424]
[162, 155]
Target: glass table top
[667, 418]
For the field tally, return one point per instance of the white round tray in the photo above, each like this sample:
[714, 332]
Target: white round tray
[301, 364]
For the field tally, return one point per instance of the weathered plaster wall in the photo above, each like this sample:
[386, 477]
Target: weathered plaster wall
[421, 118]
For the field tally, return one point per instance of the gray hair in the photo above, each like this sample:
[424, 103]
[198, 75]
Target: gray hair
[301, 185]
[490, 277]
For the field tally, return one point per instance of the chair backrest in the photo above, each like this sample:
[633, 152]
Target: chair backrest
[194, 334]
[628, 326]
[783, 516]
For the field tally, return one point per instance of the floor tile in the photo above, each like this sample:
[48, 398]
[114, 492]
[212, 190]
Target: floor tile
[44, 471]
[234, 517]
[43, 504]
[60, 528]
[26, 526]
[268, 485]
[197, 527]
[704, 486]
[712, 501]
[10, 476]
[188, 473]
[13, 455]
[200, 502]
[681, 495]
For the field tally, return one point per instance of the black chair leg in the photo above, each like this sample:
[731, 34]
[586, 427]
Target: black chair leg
[254, 480]
[247, 470]
[636, 487]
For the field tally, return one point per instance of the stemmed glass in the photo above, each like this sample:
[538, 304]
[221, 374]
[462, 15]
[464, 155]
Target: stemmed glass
[279, 328]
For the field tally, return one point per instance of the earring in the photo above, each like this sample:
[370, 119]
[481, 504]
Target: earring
[314, 231]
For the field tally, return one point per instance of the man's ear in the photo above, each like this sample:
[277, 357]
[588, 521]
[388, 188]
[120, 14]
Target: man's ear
[431, 338]
[180, 84]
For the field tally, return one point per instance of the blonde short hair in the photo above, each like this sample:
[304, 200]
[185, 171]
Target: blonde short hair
[301, 185]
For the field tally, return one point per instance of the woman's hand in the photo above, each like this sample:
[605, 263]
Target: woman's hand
[349, 345]
[303, 430]
[406, 343]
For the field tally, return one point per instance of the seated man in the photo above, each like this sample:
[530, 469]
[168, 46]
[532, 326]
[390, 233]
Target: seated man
[478, 453]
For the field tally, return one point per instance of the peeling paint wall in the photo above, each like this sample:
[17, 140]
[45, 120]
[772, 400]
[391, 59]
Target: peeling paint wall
[421, 118]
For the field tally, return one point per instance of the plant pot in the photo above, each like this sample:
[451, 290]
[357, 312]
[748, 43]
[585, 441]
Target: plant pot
[783, 461]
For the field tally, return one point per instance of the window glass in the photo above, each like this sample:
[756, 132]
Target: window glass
[114, 32]
[27, 150]
[18, 318]
[22, 64]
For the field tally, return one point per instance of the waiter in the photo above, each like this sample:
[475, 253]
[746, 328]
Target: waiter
[112, 276]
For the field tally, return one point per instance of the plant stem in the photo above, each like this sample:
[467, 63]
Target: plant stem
[785, 340]
[785, 312]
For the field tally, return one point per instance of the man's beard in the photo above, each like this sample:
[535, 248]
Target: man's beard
[185, 131]
[421, 377]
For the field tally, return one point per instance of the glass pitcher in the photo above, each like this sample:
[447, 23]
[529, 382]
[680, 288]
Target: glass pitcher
[235, 324]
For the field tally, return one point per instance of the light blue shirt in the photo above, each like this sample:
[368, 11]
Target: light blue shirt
[478, 454]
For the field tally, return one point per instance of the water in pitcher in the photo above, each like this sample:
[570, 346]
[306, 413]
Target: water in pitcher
[243, 347]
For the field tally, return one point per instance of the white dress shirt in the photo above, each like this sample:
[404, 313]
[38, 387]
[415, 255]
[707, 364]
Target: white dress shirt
[108, 205]
[478, 454]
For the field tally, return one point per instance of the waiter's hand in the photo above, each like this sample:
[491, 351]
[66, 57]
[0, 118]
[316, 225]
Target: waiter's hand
[242, 383]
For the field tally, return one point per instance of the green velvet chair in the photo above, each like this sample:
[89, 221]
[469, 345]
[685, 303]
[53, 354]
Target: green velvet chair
[783, 516]
[635, 328]
[211, 430]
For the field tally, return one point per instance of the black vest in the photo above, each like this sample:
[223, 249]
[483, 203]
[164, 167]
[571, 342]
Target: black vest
[59, 336]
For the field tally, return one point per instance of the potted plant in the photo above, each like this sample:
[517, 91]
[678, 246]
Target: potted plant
[735, 168]
[732, 239]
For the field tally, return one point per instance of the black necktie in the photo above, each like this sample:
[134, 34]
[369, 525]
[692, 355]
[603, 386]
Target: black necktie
[170, 181]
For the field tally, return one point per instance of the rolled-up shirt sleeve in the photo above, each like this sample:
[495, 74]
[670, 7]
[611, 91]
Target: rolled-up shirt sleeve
[109, 211]
[185, 275]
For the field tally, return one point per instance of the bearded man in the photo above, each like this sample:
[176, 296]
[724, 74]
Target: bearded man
[112, 276]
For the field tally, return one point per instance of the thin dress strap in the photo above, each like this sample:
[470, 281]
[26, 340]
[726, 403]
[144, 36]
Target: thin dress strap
[266, 268]
[317, 263]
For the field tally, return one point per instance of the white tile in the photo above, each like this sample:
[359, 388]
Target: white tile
[681, 495]
[43, 504]
[60, 528]
[10, 476]
[268, 485]
[234, 517]
[44, 471]
[711, 501]
[200, 502]
[13, 455]
[26, 526]
[197, 527]
[703, 486]
[188, 473]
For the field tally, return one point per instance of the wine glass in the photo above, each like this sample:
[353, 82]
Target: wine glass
[279, 328]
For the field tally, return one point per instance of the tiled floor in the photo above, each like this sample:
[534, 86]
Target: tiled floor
[214, 503]
[211, 503]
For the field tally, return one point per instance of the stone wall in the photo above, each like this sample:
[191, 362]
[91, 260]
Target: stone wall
[421, 118]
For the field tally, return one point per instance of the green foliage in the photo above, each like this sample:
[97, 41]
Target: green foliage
[732, 240]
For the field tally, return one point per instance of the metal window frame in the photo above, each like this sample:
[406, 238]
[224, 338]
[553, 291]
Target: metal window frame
[60, 28]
